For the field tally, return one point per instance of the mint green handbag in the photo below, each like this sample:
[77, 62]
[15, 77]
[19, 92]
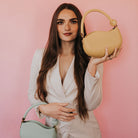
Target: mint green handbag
[35, 129]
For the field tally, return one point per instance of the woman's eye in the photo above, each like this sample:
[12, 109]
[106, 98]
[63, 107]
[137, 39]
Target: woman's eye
[60, 22]
[74, 22]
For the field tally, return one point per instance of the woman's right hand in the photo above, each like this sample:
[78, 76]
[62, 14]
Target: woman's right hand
[58, 111]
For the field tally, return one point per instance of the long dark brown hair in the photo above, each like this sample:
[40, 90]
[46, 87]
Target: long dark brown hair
[50, 58]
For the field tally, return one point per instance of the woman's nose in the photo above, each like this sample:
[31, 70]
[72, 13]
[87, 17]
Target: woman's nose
[67, 26]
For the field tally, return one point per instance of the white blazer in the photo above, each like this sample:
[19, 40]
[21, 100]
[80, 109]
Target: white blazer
[67, 93]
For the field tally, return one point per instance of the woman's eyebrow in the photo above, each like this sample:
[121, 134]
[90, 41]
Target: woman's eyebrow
[69, 19]
[73, 19]
[60, 19]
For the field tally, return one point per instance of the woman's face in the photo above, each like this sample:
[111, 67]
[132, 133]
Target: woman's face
[67, 25]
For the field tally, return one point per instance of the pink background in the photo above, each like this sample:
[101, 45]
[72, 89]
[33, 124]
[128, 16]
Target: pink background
[24, 27]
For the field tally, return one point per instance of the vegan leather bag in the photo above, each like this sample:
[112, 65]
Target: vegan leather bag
[35, 129]
[94, 44]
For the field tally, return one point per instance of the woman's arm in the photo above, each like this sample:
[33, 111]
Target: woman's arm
[93, 86]
[35, 67]
[93, 79]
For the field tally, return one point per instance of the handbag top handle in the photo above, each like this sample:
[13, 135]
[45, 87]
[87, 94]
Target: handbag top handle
[32, 106]
[112, 21]
[54, 121]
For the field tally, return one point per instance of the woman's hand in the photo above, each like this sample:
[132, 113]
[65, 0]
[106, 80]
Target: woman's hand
[92, 66]
[97, 61]
[58, 111]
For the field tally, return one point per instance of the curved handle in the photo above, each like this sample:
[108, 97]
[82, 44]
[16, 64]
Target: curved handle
[32, 106]
[54, 121]
[112, 21]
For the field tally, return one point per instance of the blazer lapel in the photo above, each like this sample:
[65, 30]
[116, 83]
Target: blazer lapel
[54, 80]
[69, 78]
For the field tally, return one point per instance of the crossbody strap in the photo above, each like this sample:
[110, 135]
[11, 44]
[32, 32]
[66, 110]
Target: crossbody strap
[112, 21]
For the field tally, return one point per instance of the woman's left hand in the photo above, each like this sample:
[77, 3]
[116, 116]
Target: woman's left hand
[96, 61]
[92, 66]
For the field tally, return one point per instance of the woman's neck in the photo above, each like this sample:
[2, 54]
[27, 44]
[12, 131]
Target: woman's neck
[67, 48]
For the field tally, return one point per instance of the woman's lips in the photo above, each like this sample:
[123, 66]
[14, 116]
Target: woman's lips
[67, 34]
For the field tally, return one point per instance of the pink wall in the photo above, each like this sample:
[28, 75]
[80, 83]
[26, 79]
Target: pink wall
[24, 27]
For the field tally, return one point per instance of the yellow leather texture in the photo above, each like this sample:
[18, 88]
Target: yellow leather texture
[94, 44]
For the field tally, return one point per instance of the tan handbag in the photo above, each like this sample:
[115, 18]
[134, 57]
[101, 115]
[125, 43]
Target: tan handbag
[94, 44]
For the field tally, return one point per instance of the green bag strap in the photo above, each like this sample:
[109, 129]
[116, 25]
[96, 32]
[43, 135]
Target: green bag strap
[112, 21]
[54, 121]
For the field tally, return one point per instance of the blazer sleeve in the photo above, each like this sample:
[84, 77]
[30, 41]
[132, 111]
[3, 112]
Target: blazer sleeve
[35, 67]
[93, 88]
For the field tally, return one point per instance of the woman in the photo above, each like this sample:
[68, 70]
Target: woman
[67, 79]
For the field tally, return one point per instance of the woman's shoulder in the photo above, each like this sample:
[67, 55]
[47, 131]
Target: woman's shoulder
[39, 51]
[38, 54]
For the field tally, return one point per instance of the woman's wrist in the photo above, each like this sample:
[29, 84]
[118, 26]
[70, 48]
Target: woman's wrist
[92, 68]
[40, 108]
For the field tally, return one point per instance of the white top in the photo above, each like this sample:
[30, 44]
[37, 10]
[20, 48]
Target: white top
[67, 93]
